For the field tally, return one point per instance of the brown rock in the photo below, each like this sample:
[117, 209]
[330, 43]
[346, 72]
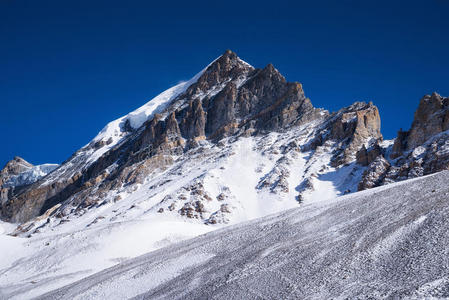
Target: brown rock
[354, 127]
[366, 156]
[400, 144]
[431, 118]
[193, 120]
[15, 167]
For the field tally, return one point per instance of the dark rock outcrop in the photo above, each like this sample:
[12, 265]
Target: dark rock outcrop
[193, 120]
[422, 150]
[366, 156]
[350, 128]
[400, 144]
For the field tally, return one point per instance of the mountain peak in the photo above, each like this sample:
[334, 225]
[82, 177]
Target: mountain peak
[223, 69]
[270, 67]
[229, 53]
[19, 160]
[227, 61]
[16, 165]
[227, 99]
[435, 94]
[12, 168]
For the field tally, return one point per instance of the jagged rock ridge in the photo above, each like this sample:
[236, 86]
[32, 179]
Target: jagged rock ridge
[420, 151]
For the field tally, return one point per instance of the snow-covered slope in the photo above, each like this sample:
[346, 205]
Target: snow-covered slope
[157, 213]
[204, 185]
[388, 242]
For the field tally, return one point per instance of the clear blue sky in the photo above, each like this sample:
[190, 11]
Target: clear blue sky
[69, 67]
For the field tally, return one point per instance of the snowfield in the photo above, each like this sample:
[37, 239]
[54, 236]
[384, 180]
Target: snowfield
[387, 242]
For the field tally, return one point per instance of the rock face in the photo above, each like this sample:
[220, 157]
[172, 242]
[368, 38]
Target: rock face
[420, 151]
[358, 126]
[366, 156]
[431, 118]
[351, 128]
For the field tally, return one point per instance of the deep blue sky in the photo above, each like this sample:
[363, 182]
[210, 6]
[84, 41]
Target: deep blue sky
[69, 67]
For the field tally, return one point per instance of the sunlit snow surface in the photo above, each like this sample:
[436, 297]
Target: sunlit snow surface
[387, 242]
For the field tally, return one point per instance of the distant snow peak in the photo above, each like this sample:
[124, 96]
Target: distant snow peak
[19, 172]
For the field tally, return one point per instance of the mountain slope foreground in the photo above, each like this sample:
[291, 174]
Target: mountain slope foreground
[388, 242]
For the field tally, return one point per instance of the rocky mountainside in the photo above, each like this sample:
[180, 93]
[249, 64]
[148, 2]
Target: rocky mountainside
[386, 243]
[182, 152]
[201, 121]
[232, 144]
